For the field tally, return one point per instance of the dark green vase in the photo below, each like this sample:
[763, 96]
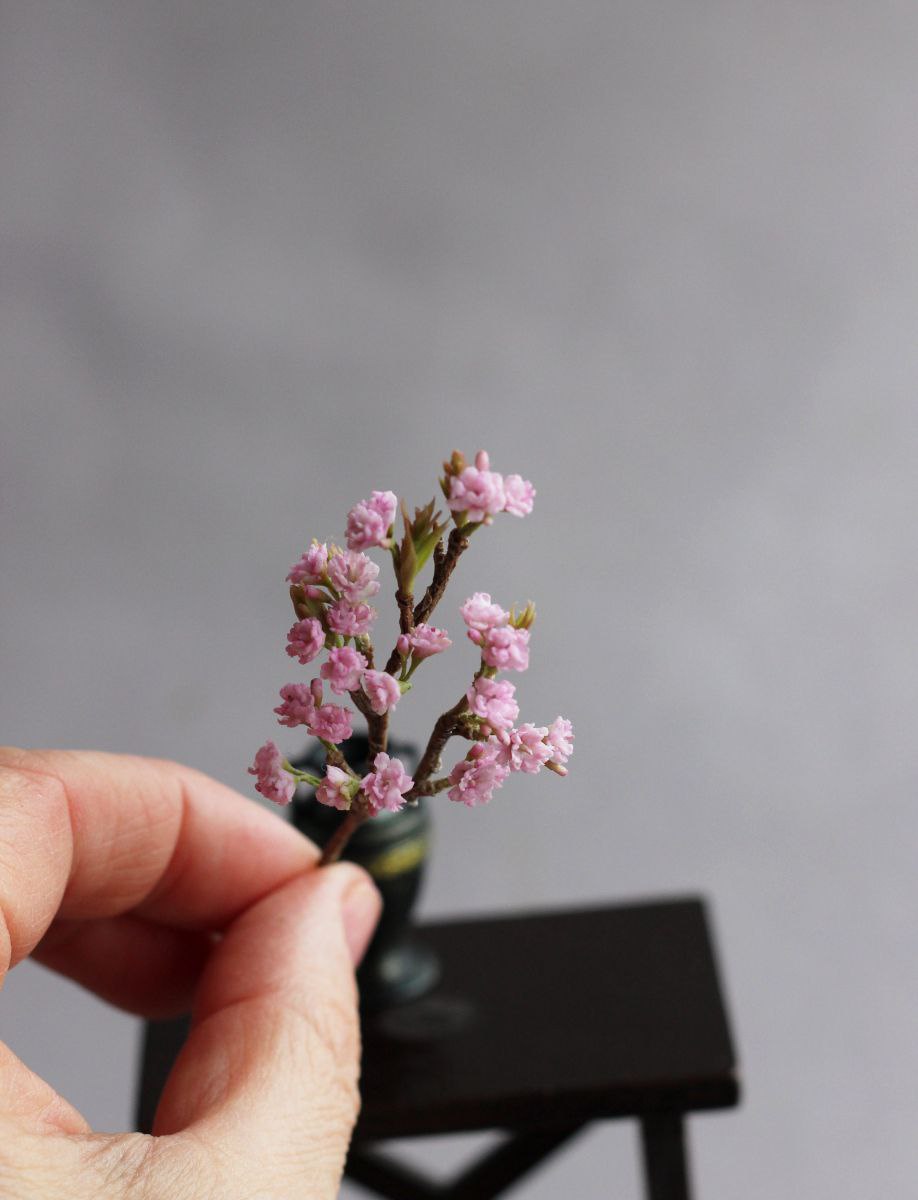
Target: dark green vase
[392, 847]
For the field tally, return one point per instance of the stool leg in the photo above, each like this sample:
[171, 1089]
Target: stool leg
[665, 1165]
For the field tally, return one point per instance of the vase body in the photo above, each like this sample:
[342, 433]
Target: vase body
[392, 848]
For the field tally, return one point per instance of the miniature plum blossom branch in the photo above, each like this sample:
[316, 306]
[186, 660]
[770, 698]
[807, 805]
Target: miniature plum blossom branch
[331, 589]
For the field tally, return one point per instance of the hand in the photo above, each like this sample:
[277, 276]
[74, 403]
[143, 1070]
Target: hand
[121, 872]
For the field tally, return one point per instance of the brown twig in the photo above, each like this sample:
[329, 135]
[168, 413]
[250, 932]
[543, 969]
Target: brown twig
[444, 565]
[362, 704]
[442, 732]
[378, 736]
[342, 835]
[431, 788]
[405, 602]
[334, 756]
[445, 560]
[377, 726]
[394, 662]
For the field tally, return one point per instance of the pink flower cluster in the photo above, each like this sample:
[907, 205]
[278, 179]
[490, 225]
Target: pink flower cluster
[384, 788]
[349, 619]
[503, 646]
[386, 785]
[353, 575]
[337, 789]
[305, 640]
[528, 748]
[271, 778]
[337, 586]
[481, 493]
[311, 567]
[382, 690]
[492, 701]
[344, 669]
[369, 521]
[301, 704]
[338, 583]
[476, 777]
[423, 642]
[506, 748]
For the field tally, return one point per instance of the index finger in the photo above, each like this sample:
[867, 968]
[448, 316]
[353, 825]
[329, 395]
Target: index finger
[87, 834]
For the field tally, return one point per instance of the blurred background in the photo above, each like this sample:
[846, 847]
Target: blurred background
[256, 260]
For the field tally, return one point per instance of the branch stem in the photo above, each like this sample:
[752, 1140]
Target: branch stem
[431, 788]
[444, 564]
[405, 602]
[334, 757]
[377, 726]
[443, 730]
[379, 736]
[342, 835]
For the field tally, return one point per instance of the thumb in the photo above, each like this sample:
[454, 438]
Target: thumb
[267, 1081]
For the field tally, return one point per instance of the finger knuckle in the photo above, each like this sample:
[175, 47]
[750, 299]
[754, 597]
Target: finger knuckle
[334, 1030]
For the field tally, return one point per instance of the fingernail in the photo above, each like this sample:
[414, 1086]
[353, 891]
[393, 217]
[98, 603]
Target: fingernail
[361, 907]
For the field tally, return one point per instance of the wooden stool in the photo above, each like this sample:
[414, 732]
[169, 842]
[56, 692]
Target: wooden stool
[540, 1024]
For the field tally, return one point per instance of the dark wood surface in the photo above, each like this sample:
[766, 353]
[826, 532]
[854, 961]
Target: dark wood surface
[555, 1018]
[541, 1020]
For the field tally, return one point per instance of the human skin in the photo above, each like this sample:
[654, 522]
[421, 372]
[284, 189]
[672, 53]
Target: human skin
[156, 887]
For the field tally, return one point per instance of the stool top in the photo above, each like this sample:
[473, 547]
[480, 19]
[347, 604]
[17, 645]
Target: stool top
[553, 1018]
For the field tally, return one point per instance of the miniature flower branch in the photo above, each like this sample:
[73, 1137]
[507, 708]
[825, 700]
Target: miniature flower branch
[330, 589]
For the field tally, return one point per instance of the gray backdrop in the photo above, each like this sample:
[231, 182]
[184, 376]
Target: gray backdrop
[660, 258]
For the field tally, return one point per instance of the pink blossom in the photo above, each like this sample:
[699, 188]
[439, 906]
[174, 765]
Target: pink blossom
[350, 619]
[386, 786]
[369, 521]
[270, 777]
[384, 503]
[492, 701]
[337, 788]
[298, 706]
[478, 493]
[365, 528]
[478, 775]
[332, 723]
[520, 494]
[506, 648]
[354, 575]
[561, 739]
[305, 639]
[403, 645]
[426, 640]
[311, 567]
[480, 614]
[525, 749]
[382, 690]
[343, 670]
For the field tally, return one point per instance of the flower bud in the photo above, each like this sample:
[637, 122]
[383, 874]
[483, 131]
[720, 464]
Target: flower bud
[456, 463]
[523, 619]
